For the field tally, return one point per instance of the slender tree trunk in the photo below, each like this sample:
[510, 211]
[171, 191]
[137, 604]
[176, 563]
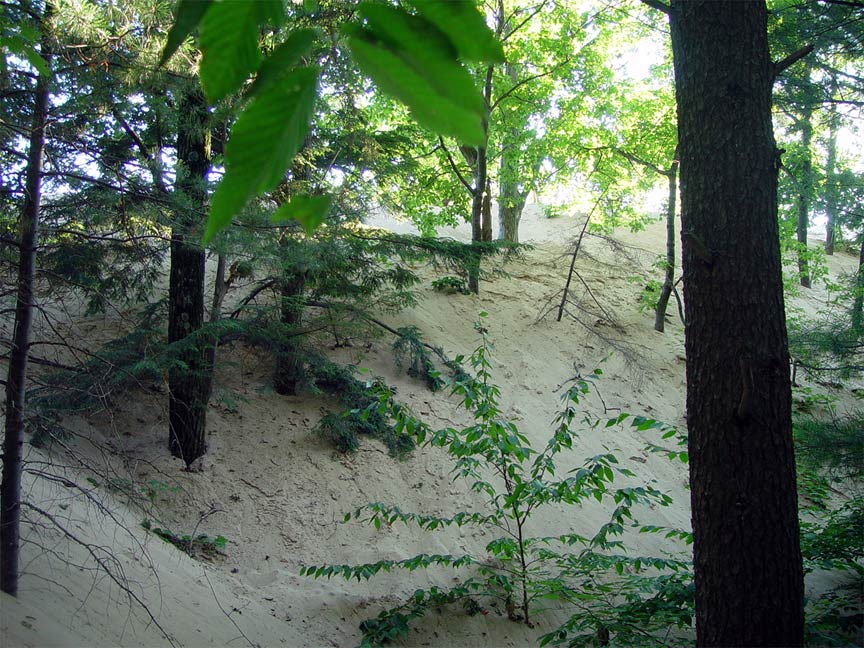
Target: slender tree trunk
[669, 279]
[289, 364]
[189, 382]
[477, 220]
[831, 193]
[858, 303]
[805, 191]
[747, 557]
[487, 212]
[220, 288]
[480, 175]
[28, 228]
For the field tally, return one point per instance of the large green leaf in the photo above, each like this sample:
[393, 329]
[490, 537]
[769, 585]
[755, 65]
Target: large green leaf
[465, 27]
[229, 43]
[411, 59]
[423, 47]
[309, 211]
[264, 140]
[284, 58]
[189, 14]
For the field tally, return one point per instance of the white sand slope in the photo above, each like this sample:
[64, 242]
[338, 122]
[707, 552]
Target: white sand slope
[278, 493]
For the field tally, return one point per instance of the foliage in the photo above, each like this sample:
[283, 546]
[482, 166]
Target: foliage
[413, 56]
[592, 572]
[420, 364]
[201, 546]
[450, 284]
[357, 397]
[835, 445]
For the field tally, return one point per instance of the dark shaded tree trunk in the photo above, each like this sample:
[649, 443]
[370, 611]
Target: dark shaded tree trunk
[189, 385]
[669, 278]
[805, 190]
[288, 375]
[747, 557]
[479, 163]
[858, 302]
[487, 212]
[831, 189]
[28, 228]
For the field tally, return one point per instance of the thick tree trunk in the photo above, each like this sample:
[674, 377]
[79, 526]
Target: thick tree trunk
[189, 385]
[289, 364]
[831, 193]
[669, 279]
[13, 441]
[747, 558]
[805, 191]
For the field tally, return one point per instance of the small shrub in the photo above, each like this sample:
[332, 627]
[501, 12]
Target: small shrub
[451, 285]
[201, 546]
[607, 588]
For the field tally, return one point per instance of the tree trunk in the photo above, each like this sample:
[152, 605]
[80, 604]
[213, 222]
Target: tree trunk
[858, 303]
[289, 364]
[487, 212]
[190, 382]
[510, 209]
[805, 190]
[28, 228]
[831, 180]
[480, 175]
[747, 557]
[511, 201]
[669, 279]
[477, 220]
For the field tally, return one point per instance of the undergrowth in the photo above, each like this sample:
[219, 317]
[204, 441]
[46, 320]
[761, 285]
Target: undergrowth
[608, 592]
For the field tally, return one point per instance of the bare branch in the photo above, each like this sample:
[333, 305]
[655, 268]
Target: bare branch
[793, 58]
[455, 168]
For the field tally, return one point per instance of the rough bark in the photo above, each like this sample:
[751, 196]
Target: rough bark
[669, 278]
[747, 558]
[13, 441]
[189, 382]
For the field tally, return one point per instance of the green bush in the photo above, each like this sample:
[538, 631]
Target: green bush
[629, 597]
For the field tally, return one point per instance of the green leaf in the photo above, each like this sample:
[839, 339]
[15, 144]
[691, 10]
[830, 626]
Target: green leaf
[189, 14]
[229, 43]
[283, 59]
[465, 27]
[309, 211]
[409, 58]
[264, 140]
[24, 49]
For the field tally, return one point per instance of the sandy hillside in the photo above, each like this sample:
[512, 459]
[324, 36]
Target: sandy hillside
[278, 493]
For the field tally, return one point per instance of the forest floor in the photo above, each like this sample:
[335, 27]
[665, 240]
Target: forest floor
[278, 493]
